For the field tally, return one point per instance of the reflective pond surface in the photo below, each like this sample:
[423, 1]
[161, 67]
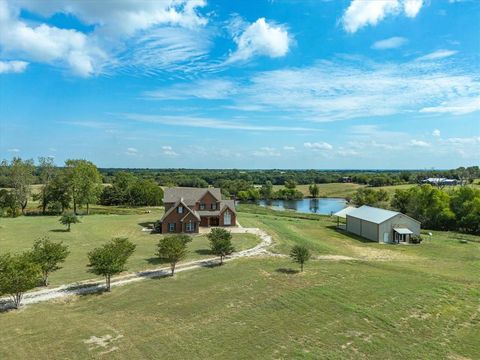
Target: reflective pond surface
[322, 206]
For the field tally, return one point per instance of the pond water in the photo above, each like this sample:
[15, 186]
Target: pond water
[322, 206]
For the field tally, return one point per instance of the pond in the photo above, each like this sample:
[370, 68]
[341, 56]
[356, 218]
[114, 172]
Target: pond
[322, 206]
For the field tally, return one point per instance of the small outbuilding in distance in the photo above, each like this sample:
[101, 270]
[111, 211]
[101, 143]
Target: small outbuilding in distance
[380, 225]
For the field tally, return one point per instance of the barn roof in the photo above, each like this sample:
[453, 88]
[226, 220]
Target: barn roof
[372, 214]
[344, 212]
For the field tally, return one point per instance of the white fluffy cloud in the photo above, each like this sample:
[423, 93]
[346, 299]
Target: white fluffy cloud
[168, 150]
[419, 143]
[318, 145]
[266, 151]
[438, 54]
[390, 43]
[13, 66]
[361, 13]
[261, 38]
[88, 53]
[436, 133]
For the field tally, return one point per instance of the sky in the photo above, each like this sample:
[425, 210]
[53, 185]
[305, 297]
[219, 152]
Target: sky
[342, 84]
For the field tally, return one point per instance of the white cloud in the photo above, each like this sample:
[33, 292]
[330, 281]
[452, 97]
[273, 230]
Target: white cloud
[266, 151]
[289, 148]
[261, 38]
[390, 43]
[13, 66]
[168, 150]
[14, 150]
[461, 106]
[131, 151]
[318, 145]
[202, 89]
[211, 123]
[419, 143]
[436, 133]
[439, 54]
[119, 28]
[338, 90]
[361, 13]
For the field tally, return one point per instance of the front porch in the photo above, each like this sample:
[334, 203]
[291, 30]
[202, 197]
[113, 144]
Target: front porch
[207, 221]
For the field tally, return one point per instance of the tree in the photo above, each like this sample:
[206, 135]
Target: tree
[85, 182]
[18, 274]
[21, 178]
[314, 190]
[7, 202]
[367, 196]
[290, 184]
[173, 249]
[267, 190]
[47, 172]
[68, 219]
[111, 258]
[59, 192]
[221, 243]
[48, 255]
[300, 254]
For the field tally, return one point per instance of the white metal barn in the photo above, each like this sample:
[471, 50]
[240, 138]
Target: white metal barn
[381, 225]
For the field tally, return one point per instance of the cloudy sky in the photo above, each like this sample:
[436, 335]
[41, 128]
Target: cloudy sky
[245, 84]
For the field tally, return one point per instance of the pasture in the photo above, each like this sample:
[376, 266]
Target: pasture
[18, 234]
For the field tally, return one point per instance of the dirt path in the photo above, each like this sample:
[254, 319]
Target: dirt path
[96, 286]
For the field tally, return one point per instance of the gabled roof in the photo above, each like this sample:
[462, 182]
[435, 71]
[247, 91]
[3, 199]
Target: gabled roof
[174, 207]
[372, 214]
[344, 212]
[190, 195]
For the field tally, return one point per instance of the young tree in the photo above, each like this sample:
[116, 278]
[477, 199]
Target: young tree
[21, 178]
[48, 255]
[173, 249]
[18, 274]
[85, 182]
[314, 190]
[221, 243]
[300, 255]
[111, 258]
[68, 219]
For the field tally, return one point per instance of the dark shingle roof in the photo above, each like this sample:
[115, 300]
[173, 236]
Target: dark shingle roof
[190, 195]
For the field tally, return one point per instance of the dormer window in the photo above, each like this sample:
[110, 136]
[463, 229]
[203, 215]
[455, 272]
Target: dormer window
[214, 206]
[202, 206]
[180, 209]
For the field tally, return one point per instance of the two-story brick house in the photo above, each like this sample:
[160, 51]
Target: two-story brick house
[186, 209]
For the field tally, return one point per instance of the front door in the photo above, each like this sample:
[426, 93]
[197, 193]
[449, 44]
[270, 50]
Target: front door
[385, 237]
[214, 221]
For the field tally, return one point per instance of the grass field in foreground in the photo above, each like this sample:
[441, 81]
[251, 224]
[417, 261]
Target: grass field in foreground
[18, 234]
[259, 309]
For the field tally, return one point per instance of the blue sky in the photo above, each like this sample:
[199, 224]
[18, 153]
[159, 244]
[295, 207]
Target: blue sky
[242, 84]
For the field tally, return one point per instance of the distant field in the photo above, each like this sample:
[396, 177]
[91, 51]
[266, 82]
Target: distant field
[18, 234]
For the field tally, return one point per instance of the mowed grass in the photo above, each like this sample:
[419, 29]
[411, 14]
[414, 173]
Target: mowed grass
[442, 253]
[18, 234]
[258, 309]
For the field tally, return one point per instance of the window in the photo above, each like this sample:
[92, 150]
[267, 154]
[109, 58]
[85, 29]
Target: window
[190, 226]
[214, 206]
[202, 206]
[227, 218]
[180, 209]
[171, 227]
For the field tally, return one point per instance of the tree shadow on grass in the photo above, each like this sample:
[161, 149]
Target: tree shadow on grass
[156, 261]
[350, 235]
[287, 271]
[59, 230]
[203, 252]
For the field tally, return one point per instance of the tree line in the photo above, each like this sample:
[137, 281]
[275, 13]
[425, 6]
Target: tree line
[76, 185]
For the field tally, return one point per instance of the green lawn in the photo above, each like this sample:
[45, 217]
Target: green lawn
[255, 309]
[18, 234]
[398, 302]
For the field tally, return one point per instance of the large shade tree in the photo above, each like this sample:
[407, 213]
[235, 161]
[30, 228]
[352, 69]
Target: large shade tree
[85, 182]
